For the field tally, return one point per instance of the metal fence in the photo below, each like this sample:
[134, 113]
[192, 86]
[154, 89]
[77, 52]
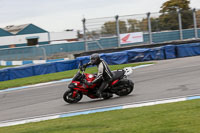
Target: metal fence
[23, 53]
[156, 27]
[102, 33]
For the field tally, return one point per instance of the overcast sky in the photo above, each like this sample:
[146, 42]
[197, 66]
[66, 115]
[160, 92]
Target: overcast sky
[58, 15]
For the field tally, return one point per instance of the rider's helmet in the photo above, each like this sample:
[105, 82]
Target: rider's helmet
[95, 59]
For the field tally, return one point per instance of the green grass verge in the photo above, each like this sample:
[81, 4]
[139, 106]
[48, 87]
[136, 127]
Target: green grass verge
[1, 67]
[56, 76]
[181, 117]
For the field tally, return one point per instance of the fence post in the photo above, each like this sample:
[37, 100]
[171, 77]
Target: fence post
[49, 39]
[180, 24]
[84, 34]
[43, 51]
[117, 30]
[149, 28]
[195, 23]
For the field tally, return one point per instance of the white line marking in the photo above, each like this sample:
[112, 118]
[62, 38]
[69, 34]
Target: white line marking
[98, 109]
[154, 103]
[28, 121]
[140, 66]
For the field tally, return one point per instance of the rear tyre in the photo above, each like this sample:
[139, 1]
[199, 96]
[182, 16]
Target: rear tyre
[126, 90]
[69, 99]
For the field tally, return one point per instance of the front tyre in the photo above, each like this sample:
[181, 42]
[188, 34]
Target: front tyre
[68, 96]
[126, 90]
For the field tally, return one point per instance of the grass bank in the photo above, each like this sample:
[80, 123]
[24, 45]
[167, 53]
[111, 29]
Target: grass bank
[181, 117]
[1, 67]
[56, 76]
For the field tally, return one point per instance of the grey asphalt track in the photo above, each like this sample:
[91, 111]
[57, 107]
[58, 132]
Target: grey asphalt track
[165, 79]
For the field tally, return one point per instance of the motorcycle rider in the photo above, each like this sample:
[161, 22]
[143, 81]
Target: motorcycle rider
[104, 74]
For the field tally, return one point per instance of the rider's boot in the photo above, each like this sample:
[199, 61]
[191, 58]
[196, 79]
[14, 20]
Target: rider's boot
[103, 94]
[99, 93]
[107, 95]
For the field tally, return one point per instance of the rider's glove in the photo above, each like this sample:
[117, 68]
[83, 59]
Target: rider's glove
[83, 67]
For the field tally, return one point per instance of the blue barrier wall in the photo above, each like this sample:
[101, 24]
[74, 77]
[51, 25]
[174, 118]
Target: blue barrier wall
[127, 56]
[158, 53]
[44, 68]
[33, 70]
[20, 72]
[170, 51]
[66, 65]
[186, 50]
[115, 58]
[4, 74]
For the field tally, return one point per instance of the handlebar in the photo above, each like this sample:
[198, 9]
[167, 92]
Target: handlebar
[82, 68]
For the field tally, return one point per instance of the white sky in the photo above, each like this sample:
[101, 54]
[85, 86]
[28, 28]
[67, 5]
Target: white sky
[58, 15]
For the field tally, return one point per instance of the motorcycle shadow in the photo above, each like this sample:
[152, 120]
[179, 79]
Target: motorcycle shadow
[103, 100]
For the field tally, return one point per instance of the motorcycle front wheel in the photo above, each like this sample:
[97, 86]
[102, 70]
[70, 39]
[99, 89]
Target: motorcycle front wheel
[68, 96]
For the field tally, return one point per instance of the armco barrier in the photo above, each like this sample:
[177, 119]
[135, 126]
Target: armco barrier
[128, 56]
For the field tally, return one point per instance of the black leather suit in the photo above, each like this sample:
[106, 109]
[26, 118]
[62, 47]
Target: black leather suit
[104, 74]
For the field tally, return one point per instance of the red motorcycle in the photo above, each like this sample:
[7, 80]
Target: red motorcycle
[120, 86]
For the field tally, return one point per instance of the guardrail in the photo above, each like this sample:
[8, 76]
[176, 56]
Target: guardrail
[35, 53]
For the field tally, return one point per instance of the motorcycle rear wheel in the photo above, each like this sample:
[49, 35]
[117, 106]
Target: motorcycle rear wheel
[69, 99]
[127, 90]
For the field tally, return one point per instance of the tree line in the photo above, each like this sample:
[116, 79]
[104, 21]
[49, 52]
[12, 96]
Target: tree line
[167, 20]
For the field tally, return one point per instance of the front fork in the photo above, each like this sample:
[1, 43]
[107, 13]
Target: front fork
[74, 92]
